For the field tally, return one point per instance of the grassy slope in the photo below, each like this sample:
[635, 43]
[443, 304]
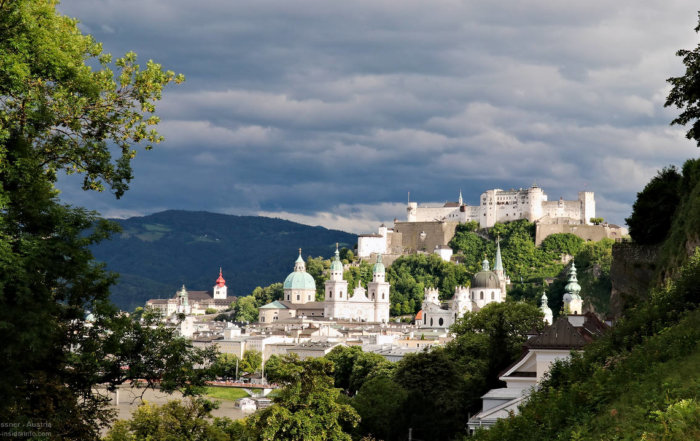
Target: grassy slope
[646, 363]
[226, 393]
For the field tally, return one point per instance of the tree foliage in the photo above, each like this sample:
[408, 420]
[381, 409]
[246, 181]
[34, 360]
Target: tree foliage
[188, 420]
[57, 113]
[652, 212]
[685, 91]
[306, 407]
[410, 275]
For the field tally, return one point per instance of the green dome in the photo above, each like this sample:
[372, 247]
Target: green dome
[572, 287]
[485, 279]
[299, 280]
[379, 266]
[336, 264]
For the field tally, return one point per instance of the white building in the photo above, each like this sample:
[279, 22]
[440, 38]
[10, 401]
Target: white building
[486, 287]
[569, 333]
[368, 244]
[194, 302]
[444, 251]
[507, 205]
[364, 305]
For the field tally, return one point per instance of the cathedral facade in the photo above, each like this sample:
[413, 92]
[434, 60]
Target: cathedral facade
[370, 304]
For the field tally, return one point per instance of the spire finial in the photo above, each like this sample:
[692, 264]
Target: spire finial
[300, 251]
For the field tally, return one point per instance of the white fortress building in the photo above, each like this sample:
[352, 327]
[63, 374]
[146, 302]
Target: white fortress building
[508, 205]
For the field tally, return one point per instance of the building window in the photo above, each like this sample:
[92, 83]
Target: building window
[308, 298]
[382, 296]
[492, 296]
[440, 322]
[431, 321]
[340, 295]
[481, 295]
[298, 297]
[288, 296]
[262, 318]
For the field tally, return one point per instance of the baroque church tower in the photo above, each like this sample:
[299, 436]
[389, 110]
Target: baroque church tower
[220, 289]
[336, 287]
[378, 290]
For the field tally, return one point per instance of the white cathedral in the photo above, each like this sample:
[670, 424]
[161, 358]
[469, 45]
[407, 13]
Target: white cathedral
[369, 304]
[487, 287]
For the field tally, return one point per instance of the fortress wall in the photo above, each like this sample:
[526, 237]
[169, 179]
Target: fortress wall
[431, 214]
[436, 233]
[631, 274]
[586, 232]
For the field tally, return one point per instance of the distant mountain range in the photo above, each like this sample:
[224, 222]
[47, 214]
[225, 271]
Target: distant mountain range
[156, 254]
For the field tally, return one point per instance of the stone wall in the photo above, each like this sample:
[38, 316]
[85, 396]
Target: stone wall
[436, 234]
[631, 274]
[586, 232]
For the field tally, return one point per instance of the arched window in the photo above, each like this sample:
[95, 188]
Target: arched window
[288, 296]
[493, 295]
[330, 294]
[481, 295]
[440, 322]
[431, 321]
[340, 296]
[262, 318]
[382, 296]
[308, 298]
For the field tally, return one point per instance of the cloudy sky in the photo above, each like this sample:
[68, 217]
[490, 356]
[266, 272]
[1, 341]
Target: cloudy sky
[330, 112]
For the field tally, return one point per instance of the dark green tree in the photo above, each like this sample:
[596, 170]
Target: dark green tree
[57, 113]
[343, 359]
[652, 212]
[685, 92]
[306, 408]
[434, 407]
[188, 420]
[380, 402]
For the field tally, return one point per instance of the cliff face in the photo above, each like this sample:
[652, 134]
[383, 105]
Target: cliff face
[632, 273]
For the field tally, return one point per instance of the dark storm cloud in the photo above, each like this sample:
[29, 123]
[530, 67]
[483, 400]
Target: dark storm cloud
[330, 112]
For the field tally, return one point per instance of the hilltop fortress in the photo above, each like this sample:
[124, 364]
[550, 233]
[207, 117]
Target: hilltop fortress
[507, 205]
[429, 228]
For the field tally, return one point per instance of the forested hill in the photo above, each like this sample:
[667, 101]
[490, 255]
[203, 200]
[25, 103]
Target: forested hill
[156, 254]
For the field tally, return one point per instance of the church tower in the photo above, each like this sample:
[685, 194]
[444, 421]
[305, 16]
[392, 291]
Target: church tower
[498, 269]
[378, 290]
[546, 310]
[336, 287]
[183, 302]
[573, 303]
[220, 289]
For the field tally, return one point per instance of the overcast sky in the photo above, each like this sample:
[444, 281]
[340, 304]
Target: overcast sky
[329, 112]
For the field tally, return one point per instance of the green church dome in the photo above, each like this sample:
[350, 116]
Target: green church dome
[336, 264]
[299, 278]
[379, 266]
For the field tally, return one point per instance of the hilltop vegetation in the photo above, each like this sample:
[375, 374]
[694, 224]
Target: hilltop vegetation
[640, 380]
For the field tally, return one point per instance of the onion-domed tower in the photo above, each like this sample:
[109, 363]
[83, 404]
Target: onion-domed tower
[220, 289]
[378, 290]
[573, 303]
[299, 286]
[546, 310]
[336, 288]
